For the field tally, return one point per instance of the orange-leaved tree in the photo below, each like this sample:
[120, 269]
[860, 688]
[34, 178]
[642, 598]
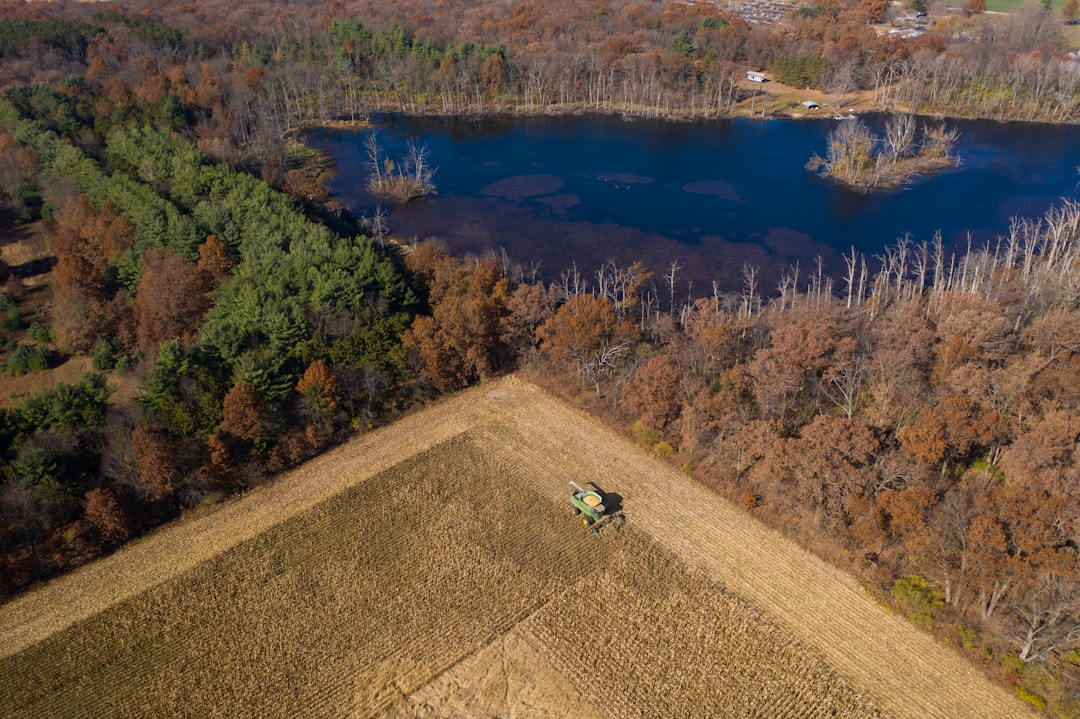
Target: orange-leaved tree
[152, 454]
[318, 387]
[171, 300]
[653, 392]
[586, 334]
[108, 518]
[462, 339]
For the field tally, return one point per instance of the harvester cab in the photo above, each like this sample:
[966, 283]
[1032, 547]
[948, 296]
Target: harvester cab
[590, 506]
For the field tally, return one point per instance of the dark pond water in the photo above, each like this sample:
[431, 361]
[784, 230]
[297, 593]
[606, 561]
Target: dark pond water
[711, 195]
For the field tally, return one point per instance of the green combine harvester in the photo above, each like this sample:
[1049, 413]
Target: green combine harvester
[590, 505]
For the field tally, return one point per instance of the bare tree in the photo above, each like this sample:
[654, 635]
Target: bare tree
[938, 140]
[849, 278]
[751, 302]
[789, 286]
[571, 282]
[376, 226]
[845, 389]
[371, 144]
[900, 135]
[420, 171]
[843, 81]
[1049, 619]
[406, 180]
[670, 277]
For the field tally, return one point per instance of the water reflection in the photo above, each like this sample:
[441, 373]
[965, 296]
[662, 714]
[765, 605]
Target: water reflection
[711, 195]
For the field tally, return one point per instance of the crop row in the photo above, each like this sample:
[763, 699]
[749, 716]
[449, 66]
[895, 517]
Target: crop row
[374, 594]
[651, 638]
[340, 610]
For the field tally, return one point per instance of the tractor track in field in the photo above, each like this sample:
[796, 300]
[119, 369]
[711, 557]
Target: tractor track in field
[908, 673]
[539, 440]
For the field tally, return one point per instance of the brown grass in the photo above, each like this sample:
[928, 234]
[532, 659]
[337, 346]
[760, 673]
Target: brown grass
[13, 388]
[432, 568]
[24, 243]
[775, 99]
[124, 385]
[402, 189]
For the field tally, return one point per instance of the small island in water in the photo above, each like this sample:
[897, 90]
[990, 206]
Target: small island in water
[864, 161]
[404, 180]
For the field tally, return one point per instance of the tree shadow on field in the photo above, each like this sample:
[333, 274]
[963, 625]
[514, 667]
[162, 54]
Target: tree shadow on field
[613, 502]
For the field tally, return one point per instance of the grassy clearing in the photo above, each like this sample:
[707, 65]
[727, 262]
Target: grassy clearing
[14, 387]
[1010, 5]
[1072, 36]
[24, 244]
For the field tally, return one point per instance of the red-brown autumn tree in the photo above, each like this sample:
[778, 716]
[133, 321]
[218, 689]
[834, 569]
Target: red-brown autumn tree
[318, 387]
[105, 513]
[652, 392]
[215, 259]
[85, 307]
[242, 412]
[461, 340]
[153, 458]
[585, 333]
[171, 299]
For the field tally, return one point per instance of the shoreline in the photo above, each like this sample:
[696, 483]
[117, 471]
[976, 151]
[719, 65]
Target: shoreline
[764, 101]
[895, 177]
[640, 113]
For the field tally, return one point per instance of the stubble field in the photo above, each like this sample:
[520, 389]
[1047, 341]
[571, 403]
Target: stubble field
[433, 569]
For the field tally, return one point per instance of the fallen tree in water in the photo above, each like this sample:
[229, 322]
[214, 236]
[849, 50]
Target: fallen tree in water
[863, 161]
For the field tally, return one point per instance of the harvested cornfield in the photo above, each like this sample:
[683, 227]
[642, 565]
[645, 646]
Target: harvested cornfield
[341, 609]
[664, 642]
[433, 569]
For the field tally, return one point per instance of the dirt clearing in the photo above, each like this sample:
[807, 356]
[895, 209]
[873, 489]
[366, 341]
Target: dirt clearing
[433, 569]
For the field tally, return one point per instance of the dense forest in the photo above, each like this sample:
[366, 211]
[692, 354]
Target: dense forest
[237, 77]
[915, 420]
